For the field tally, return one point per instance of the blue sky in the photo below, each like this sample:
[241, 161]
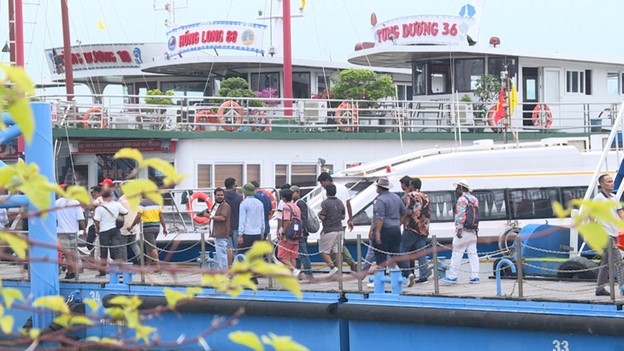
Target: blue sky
[329, 28]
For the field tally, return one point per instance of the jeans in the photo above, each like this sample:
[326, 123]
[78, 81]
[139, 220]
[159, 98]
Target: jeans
[221, 246]
[130, 242]
[390, 244]
[304, 259]
[603, 273]
[411, 241]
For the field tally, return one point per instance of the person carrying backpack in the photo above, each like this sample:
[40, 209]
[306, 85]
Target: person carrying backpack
[292, 231]
[466, 228]
[415, 230]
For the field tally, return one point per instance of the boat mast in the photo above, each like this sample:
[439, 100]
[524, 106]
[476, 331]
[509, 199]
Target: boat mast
[67, 54]
[19, 33]
[288, 93]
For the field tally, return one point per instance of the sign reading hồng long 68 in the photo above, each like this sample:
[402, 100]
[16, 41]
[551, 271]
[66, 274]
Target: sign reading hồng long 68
[414, 30]
[215, 35]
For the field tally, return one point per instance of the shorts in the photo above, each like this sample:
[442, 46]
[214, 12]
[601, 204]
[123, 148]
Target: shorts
[150, 234]
[68, 241]
[328, 242]
[288, 250]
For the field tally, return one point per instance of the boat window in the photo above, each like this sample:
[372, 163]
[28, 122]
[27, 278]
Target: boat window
[441, 205]
[588, 82]
[155, 176]
[204, 176]
[440, 77]
[572, 193]
[498, 64]
[303, 175]
[358, 187]
[185, 89]
[222, 172]
[301, 85]
[467, 73]
[575, 82]
[261, 81]
[491, 204]
[419, 78]
[115, 169]
[253, 173]
[613, 83]
[364, 216]
[532, 203]
[322, 83]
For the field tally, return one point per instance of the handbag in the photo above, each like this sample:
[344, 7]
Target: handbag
[119, 221]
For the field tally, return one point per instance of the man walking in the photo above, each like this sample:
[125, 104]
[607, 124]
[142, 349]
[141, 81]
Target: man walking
[266, 203]
[331, 215]
[129, 237]
[70, 219]
[605, 183]
[465, 240]
[304, 257]
[415, 232]
[388, 214]
[105, 228]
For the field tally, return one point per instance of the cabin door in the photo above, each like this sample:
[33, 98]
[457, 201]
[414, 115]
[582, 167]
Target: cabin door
[552, 92]
[530, 93]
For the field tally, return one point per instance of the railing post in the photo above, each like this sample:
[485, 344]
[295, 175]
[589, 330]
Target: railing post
[203, 249]
[610, 249]
[359, 261]
[519, 266]
[436, 283]
[339, 263]
[141, 254]
[270, 261]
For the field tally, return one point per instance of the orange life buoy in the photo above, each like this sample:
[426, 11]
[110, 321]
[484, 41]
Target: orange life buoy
[204, 116]
[542, 116]
[189, 207]
[347, 116]
[93, 112]
[229, 113]
[262, 119]
[273, 201]
[496, 127]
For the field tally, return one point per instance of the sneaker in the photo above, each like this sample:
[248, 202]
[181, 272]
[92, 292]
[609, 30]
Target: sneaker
[474, 280]
[422, 280]
[332, 271]
[370, 285]
[449, 280]
[100, 274]
[410, 280]
[602, 292]
[296, 272]
[70, 276]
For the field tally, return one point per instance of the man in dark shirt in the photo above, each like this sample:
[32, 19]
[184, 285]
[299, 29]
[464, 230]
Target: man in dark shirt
[233, 199]
[388, 214]
[304, 257]
[332, 213]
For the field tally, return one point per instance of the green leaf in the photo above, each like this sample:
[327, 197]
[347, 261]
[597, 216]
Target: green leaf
[259, 249]
[193, 290]
[135, 189]
[6, 324]
[126, 301]
[270, 269]
[143, 332]
[78, 193]
[55, 303]
[291, 284]
[217, 281]
[594, 234]
[22, 116]
[282, 343]
[162, 166]
[559, 211]
[17, 243]
[62, 320]
[80, 320]
[173, 297]
[93, 304]
[130, 153]
[34, 333]
[11, 294]
[249, 339]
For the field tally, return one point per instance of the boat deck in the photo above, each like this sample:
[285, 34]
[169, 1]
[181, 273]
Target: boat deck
[534, 289]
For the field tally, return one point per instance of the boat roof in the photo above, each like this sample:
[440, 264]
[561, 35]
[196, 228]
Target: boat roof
[402, 56]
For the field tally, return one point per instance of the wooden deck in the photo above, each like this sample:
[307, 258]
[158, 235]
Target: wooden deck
[534, 289]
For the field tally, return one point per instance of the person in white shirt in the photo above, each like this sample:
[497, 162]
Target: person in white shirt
[70, 219]
[105, 228]
[129, 237]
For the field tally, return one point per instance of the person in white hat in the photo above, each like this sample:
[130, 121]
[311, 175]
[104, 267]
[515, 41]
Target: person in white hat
[466, 228]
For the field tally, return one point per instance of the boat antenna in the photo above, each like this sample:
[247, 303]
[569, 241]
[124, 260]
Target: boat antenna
[170, 7]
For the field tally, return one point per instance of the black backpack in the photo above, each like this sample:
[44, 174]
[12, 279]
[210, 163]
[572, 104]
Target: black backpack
[472, 215]
[295, 229]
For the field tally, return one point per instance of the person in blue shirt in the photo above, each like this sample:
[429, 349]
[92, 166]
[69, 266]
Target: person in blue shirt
[266, 203]
[250, 220]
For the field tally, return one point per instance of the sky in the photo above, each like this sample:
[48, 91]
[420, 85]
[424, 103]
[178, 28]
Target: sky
[329, 29]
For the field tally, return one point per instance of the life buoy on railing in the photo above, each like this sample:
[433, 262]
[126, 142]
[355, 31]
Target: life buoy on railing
[273, 201]
[229, 113]
[198, 195]
[93, 112]
[204, 116]
[497, 127]
[542, 116]
[347, 116]
[261, 118]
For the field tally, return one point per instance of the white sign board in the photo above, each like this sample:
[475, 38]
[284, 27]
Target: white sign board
[216, 35]
[415, 30]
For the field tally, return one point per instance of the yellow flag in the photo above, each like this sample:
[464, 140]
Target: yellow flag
[100, 24]
[513, 99]
[303, 4]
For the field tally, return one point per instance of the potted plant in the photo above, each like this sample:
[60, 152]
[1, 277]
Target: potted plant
[156, 116]
[232, 111]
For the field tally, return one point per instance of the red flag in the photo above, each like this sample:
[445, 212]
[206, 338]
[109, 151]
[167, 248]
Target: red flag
[500, 107]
